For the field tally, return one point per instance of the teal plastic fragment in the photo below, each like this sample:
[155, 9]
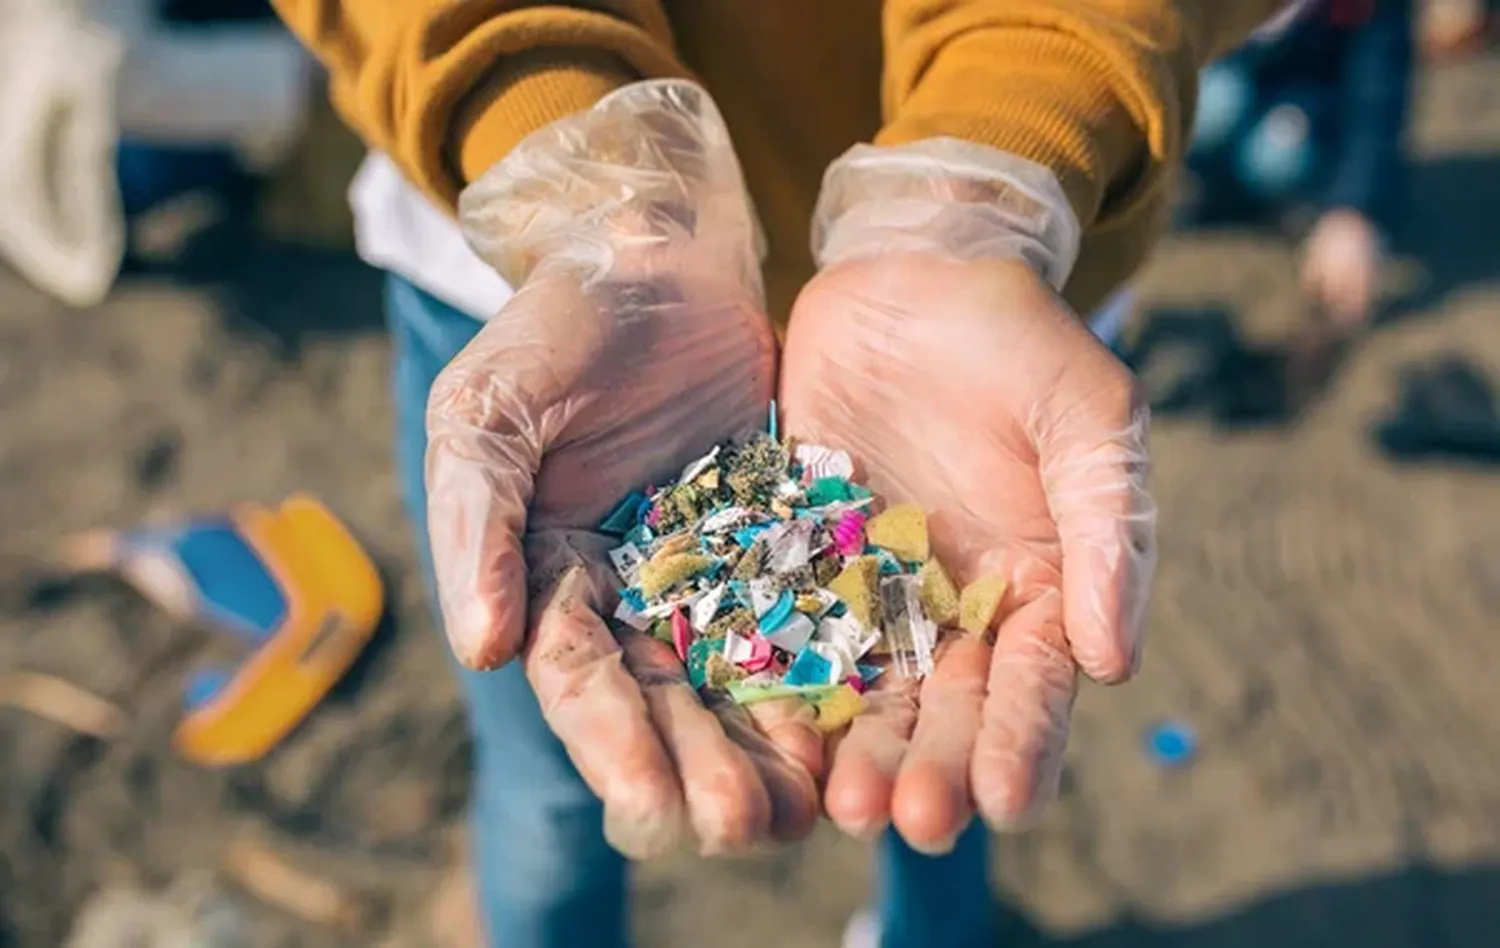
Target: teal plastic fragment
[777, 615]
[624, 516]
[809, 668]
[697, 660]
[828, 490]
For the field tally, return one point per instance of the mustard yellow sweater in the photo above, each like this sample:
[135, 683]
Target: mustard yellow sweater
[1101, 91]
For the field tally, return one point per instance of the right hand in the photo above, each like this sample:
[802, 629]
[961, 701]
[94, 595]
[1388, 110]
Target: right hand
[635, 342]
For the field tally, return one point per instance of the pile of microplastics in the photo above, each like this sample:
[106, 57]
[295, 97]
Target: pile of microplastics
[764, 568]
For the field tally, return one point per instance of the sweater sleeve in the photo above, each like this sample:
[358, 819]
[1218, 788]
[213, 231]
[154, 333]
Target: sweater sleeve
[1100, 91]
[447, 87]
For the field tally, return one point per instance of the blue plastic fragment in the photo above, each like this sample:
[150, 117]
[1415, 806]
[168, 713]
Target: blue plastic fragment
[1171, 743]
[640, 535]
[772, 426]
[777, 615]
[642, 508]
[869, 672]
[624, 516]
[745, 536]
[808, 668]
[633, 598]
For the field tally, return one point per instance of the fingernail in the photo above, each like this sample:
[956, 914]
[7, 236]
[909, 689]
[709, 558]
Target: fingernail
[866, 831]
[942, 847]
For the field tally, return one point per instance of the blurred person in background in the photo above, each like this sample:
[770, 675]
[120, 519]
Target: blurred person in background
[614, 314]
[1310, 116]
[111, 107]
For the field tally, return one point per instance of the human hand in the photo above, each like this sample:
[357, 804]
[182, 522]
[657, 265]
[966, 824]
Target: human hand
[635, 342]
[960, 382]
[1340, 266]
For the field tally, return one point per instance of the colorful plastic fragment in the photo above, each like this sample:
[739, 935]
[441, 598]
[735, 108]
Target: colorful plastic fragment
[939, 595]
[901, 530]
[838, 708]
[858, 586]
[771, 578]
[978, 604]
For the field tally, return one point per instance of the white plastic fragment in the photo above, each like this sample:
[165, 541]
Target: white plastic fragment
[847, 634]
[763, 595]
[818, 461]
[789, 546]
[627, 560]
[792, 634]
[691, 472]
[726, 519]
[706, 607]
[738, 648]
[630, 617]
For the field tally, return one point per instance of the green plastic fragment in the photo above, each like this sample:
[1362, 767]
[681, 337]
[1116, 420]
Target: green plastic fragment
[828, 490]
[750, 694]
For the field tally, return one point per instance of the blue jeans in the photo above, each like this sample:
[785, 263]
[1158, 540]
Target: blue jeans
[545, 878]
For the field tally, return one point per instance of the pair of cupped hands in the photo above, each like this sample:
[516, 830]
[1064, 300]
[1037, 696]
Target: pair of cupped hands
[637, 339]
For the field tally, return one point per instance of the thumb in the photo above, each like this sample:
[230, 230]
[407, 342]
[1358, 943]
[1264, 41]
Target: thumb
[482, 458]
[1091, 438]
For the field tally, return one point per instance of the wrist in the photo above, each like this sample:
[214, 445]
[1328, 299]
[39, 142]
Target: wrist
[948, 197]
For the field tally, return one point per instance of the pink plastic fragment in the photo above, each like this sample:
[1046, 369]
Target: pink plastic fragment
[653, 516]
[849, 533]
[857, 683]
[760, 655]
[682, 633]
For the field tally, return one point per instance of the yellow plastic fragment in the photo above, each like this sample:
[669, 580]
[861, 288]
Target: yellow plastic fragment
[858, 585]
[709, 479]
[838, 708]
[663, 572]
[978, 604]
[674, 544]
[939, 595]
[811, 605]
[902, 530]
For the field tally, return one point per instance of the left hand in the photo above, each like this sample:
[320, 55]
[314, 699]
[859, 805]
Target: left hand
[1341, 266]
[969, 388]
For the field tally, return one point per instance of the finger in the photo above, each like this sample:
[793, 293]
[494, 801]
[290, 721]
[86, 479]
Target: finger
[728, 805]
[866, 759]
[480, 470]
[1018, 756]
[791, 785]
[597, 710]
[791, 727]
[932, 801]
[1093, 461]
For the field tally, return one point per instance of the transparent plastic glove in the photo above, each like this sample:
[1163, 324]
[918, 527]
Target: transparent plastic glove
[636, 341]
[936, 354]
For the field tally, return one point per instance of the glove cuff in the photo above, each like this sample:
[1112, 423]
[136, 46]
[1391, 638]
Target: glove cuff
[945, 196]
[651, 164]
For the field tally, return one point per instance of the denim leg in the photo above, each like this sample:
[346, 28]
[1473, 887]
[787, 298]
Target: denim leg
[936, 902]
[545, 878]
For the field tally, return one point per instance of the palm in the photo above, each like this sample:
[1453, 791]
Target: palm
[943, 380]
[569, 399]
